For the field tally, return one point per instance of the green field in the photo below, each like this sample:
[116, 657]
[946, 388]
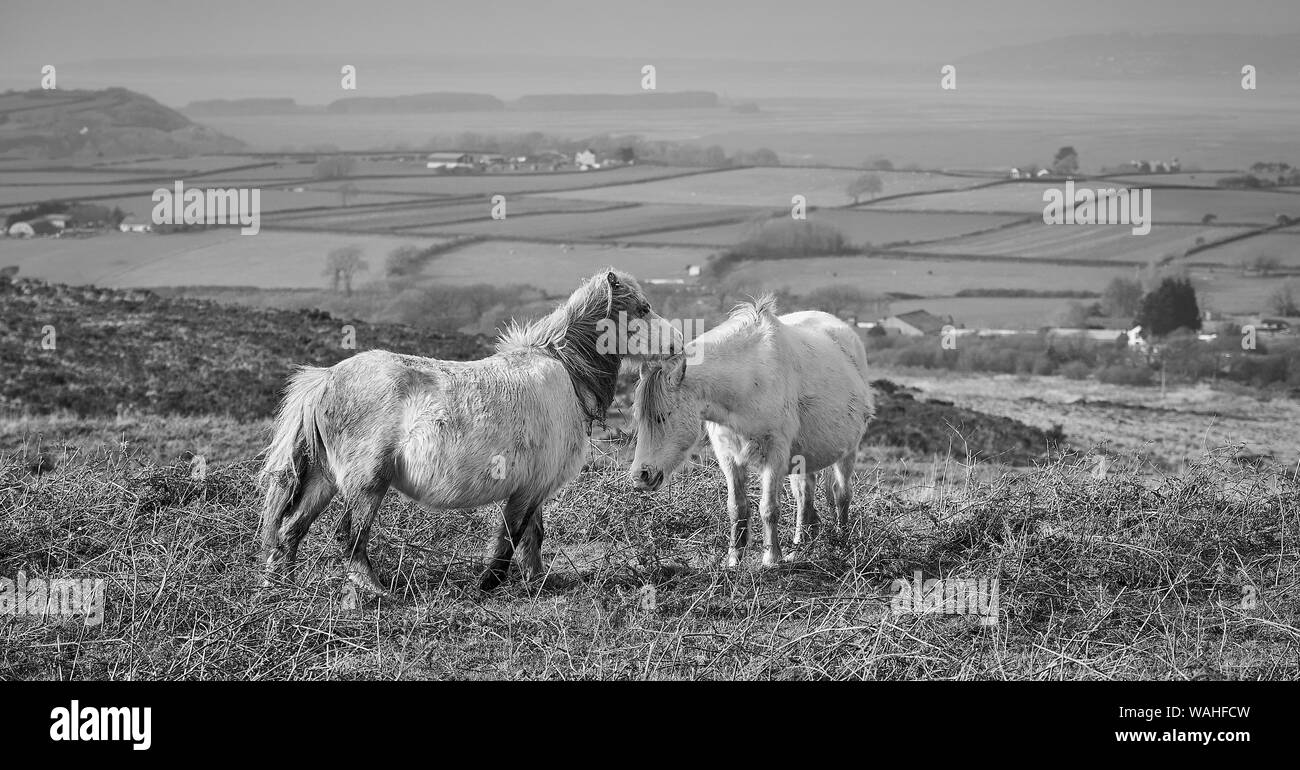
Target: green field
[859, 227]
[771, 187]
[924, 277]
[1108, 243]
[1169, 206]
[555, 267]
[430, 214]
[506, 184]
[1284, 245]
[628, 222]
[210, 258]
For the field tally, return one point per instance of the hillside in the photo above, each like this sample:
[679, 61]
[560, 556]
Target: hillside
[135, 349]
[110, 123]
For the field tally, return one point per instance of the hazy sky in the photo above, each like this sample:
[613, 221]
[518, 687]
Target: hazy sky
[34, 32]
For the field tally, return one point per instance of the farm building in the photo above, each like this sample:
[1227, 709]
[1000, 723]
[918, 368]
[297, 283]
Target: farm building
[448, 160]
[132, 226]
[21, 230]
[917, 323]
[585, 160]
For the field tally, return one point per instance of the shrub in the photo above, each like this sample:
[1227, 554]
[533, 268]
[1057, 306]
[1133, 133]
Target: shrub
[1126, 374]
[1075, 370]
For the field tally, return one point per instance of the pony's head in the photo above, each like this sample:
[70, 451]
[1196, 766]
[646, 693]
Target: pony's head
[607, 318]
[669, 421]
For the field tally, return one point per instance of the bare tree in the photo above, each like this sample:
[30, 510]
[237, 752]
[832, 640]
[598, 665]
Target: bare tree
[867, 183]
[347, 190]
[341, 265]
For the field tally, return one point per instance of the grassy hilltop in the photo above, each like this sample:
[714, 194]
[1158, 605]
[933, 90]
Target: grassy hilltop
[1114, 575]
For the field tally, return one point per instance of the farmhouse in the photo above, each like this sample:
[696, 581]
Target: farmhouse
[449, 160]
[585, 159]
[132, 226]
[917, 323]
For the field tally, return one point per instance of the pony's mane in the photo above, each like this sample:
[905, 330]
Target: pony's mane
[756, 310]
[569, 334]
[649, 399]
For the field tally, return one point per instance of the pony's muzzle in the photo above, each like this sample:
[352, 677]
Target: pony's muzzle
[649, 479]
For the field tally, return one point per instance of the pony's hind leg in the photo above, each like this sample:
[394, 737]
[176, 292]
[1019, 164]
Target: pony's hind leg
[737, 507]
[516, 522]
[803, 487]
[840, 492]
[285, 531]
[529, 553]
[354, 540]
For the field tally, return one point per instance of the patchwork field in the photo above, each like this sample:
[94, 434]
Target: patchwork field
[210, 258]
[1169, 206]
[925, 277]
[859, 226]
[1284, 245]
[990, 312]
[427, 214]
[554, 267]
[773, 187]
[272, 200]
[631, 222]
[506, 184]
[1108, 243]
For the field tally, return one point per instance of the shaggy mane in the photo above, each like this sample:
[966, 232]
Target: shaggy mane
[569, 335]
[756, 310]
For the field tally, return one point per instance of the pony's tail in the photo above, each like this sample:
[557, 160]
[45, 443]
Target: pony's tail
[295, 446]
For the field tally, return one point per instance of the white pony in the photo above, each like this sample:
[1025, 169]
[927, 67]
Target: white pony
[452, 434]
[787, 395]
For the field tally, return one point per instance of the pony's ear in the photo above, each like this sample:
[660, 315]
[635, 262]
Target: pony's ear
[613, 279]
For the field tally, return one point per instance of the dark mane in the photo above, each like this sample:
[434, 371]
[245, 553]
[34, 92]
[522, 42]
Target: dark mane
[570, 334]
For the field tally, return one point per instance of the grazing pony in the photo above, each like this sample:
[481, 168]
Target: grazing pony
[452, 434]
[787, 395]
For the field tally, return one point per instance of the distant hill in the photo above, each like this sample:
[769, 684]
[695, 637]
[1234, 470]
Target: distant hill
[173, 356]
[1135, 54]
[272, 106]
[646, 100]
[94, 124]
[437, 102]
[456, 102]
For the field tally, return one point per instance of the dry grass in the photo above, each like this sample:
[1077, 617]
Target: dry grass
[1129, 577]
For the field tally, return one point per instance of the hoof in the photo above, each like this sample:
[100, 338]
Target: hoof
[490, 580]
[772, 558]
[366, 582]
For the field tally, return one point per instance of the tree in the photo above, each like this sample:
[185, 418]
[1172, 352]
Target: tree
[341, 264]
[347, 190]
[1171, 306]
[1122, 297]
[403, 261]
[1066, 161]
[867, 183]
[1283, 301]
[335, 167]
[843, 301]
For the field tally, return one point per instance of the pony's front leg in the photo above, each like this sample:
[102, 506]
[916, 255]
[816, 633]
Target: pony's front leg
[737, 508]
[803, 488]
[769, 510]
